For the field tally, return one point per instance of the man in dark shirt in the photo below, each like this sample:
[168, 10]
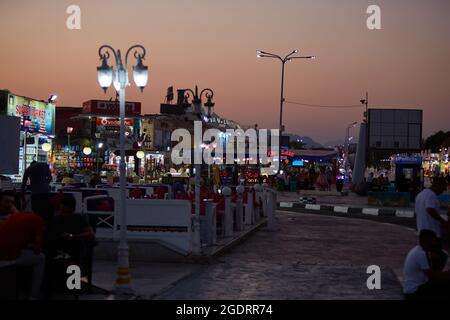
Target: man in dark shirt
[39, 175]
[21, 235]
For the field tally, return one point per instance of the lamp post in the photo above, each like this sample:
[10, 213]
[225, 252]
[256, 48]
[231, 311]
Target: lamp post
[26, 127]
[105, 75]
[198, 150]
[347, 138]
[69, 132]
[99, 147]
[287, 58]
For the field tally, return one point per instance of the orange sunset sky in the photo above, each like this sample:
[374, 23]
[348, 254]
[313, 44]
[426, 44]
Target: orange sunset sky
[212, 43]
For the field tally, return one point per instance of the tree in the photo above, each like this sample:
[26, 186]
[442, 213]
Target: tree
[297, 145]
[437, 141]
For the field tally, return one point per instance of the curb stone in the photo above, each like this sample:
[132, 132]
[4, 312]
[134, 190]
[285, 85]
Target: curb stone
[382, 212]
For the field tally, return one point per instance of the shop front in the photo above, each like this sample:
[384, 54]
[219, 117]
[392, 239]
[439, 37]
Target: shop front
[37, 128]
[436, 163]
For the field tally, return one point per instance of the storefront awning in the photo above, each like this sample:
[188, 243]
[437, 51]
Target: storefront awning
[315, 155]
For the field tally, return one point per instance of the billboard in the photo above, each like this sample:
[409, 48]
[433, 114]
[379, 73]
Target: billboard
[111, 108]
[395, 129]
[35, 116]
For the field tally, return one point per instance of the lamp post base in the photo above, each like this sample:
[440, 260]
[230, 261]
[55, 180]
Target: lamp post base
[196, 243]
[122, 286]
[123, 291]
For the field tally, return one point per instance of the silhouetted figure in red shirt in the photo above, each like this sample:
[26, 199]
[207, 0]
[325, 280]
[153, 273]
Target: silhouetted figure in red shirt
[21, 237]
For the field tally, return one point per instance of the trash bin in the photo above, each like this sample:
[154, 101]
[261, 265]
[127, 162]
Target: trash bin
[293, 186]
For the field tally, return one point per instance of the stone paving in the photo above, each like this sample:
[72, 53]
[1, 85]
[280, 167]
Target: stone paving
[309, 257]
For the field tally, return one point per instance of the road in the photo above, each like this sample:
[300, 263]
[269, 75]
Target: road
[309, 257]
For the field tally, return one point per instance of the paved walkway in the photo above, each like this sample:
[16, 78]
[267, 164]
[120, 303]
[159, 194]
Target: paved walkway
[147, 278]
[309, 257]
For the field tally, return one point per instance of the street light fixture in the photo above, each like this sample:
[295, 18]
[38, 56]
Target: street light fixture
[105, 78]
[52, 98]
[366, 103]
[198, 149]
[291, 56]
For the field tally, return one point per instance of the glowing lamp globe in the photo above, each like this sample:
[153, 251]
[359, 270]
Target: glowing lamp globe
[87, 151]
[140, 154]
[140, 74]
[105, 75]
[46, 147]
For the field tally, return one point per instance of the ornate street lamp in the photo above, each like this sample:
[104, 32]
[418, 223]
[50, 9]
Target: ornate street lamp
[197, 102]
[105, 75]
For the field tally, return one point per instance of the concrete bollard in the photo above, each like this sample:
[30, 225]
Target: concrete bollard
[210, 224]
[228, 216]
[249, 214]
[271, 207]
[259, 199]
[239, 208]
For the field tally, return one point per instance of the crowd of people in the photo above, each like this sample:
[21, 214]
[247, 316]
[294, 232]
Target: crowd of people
[321, 178]
[48, 235]
[45, 237]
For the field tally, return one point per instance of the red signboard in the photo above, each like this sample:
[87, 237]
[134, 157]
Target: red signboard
[283, 153]
[113, 122]
[105, 107]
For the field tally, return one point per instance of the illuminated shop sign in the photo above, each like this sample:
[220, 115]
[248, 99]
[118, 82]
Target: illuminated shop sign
[36, 116]
[113, 122]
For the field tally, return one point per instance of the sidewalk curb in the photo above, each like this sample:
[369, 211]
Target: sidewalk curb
[381, 212]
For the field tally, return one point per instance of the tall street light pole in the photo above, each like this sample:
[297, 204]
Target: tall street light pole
[291, 56]
[69, 132]
[105, 75]
[366, 103]
[198, 151]
[347, 138]
[99, 147]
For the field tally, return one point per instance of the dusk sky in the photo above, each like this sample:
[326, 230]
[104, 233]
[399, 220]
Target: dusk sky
[212, 43]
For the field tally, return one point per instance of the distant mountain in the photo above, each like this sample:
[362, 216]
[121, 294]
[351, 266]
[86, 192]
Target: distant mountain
[333, 143]
[309, 142]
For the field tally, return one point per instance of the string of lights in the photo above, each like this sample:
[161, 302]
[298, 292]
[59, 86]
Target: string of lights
[323, 106]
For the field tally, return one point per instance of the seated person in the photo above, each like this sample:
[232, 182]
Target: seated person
[95, 180]
[70, 232]
[137, 193]
[68, 179]
[423, 270]
[21, 238]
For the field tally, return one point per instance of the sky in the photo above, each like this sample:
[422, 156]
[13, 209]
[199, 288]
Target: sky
[212, 43]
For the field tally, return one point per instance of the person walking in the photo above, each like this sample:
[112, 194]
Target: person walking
[39, 176]
[427, 208]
